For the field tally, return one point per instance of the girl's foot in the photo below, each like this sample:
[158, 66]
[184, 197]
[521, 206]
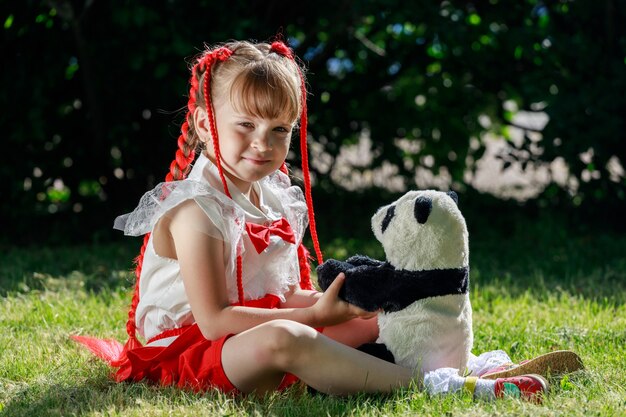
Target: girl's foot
[527, 387]
[553, 363]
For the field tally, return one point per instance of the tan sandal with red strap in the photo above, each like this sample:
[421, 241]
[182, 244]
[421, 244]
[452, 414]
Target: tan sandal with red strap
[552, 363]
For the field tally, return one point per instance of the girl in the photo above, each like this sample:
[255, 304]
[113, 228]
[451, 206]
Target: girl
[223, 294]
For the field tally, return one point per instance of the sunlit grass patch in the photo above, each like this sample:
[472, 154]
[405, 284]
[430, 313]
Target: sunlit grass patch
[525, 302]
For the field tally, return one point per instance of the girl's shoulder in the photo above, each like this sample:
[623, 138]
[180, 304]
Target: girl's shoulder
[187, 197]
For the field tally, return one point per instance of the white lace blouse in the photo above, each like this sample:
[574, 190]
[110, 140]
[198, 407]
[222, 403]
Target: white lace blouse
[163, 303]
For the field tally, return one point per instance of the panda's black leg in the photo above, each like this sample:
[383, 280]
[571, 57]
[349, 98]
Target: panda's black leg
[378, 350]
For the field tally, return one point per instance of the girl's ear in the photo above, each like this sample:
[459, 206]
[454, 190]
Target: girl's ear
[201, 124]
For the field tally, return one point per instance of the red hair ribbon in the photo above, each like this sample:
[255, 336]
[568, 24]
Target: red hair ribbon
[281, 49]
[220, 54]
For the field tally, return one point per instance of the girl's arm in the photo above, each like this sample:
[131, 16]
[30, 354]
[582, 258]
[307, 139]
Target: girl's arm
[297, 297]
[201, 260]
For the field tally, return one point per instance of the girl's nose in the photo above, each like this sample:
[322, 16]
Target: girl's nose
[262, 142]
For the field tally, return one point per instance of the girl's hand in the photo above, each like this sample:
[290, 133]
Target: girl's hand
[330, 309]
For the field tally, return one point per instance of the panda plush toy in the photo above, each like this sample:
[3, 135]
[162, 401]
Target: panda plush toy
[422, 290]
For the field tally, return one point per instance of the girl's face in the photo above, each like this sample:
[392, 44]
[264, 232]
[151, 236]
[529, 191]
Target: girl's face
[251, 147]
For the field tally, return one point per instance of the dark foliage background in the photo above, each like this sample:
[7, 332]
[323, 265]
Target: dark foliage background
[91, 92]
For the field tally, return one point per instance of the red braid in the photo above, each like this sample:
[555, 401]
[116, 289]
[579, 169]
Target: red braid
[220, 54]
[185, 154]
[131, 325]
[282, 49]
[304, 154]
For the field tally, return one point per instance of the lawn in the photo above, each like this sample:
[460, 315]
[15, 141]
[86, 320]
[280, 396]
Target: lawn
[534, 288]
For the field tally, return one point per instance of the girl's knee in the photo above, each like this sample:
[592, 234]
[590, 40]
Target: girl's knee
[283, 342]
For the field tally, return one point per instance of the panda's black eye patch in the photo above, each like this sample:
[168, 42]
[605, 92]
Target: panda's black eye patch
[391, 211]
[422, 209]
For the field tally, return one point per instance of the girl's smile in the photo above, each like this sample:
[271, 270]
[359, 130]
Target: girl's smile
[255, 161]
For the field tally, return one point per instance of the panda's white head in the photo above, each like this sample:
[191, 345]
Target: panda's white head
[423, 230]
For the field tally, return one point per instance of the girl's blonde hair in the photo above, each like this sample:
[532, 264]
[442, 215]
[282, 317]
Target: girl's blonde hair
[261, 82]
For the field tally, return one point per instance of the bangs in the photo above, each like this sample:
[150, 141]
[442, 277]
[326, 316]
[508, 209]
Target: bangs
[266, 92]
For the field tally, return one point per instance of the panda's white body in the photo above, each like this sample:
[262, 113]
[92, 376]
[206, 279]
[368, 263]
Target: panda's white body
[434, 332]
[429, 334]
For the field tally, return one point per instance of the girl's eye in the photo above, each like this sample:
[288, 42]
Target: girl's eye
[246, 125]
[282, 129]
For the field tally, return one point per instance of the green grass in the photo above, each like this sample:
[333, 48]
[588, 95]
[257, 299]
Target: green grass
[535, 289]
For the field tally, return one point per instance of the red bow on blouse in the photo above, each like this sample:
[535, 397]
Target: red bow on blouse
[260, 234]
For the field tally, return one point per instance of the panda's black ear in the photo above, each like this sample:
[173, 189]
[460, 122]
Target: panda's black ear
[454, 196]
[391, 212]
[422, 209]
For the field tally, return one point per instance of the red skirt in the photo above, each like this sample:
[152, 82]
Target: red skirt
[190, 361]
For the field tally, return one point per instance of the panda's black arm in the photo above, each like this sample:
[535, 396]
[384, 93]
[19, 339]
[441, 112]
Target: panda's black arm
[368, 286]
[384, 287]
[406, 287]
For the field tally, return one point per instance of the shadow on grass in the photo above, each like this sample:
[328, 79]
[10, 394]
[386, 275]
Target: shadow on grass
[546, 259]
[91, 267]
[525, 247]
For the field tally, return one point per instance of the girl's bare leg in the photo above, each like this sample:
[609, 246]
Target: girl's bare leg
[355, 332]
[256, 360]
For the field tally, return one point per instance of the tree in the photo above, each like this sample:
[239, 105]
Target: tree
[93, 88]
